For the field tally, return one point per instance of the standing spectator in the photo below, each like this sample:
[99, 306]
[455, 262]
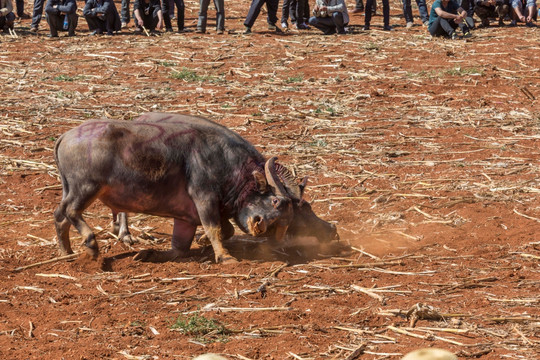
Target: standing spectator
[445, 17]
[360, 7]
[101, 15]
[330, 16]
[386, 15]
[7, 17]
[523, 11]
[486, 9]
[57, 11]
[147, 13]
[422, 9]
[124, 12]
[203, 16]
[255, 9]
[36, 15]
[168, 14]
[20, 10]
[291, 7]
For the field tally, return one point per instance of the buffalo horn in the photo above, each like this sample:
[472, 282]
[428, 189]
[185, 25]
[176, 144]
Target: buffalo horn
[273, 178]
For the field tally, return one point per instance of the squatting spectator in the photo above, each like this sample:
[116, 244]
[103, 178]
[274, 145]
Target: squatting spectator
[58, 11]
[147, 13]
[101, 16]
[445, 17]
[524, 11]
[330, 16]
[7, 17]
[491, 9]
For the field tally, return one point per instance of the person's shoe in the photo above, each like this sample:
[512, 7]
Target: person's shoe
[200, 31]
[110, 33]
[365, 28]
[426, 23]
[220, 31]
[467, 35]
[284, 25]
[138, 30]
[247, 30]
[274, 28]
[34, 29]
[71, 34]
[343, 32]
[501, 22]
[52, 35]
[454, 36]
[388, 28]
[357, 10]
[93, 33]
[513, 23]
[124, 25]
[530, 24]
[409, 25]
[485, 23]
[170, 29]
[25, 16]
[302, 26]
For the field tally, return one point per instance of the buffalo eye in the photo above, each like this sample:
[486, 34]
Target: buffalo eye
[275, 202]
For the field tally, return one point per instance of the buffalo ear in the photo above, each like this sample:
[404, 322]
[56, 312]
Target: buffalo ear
[260, 179]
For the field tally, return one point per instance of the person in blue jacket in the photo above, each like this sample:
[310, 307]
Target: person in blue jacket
[60, 11]
[101, 16]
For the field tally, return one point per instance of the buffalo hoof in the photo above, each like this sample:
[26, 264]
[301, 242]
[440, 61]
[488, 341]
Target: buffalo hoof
[157, 256]
[226, 259]
[127, 239]
[92, 253]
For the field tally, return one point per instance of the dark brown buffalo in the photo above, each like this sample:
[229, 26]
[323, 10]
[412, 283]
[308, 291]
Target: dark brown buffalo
[185, 167]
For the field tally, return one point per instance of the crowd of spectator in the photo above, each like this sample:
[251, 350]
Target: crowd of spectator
[329, 16]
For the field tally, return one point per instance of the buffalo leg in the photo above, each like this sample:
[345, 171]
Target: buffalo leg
[62, 226]
[73, 209]
[227, 231]
[216, 234]
[120, 228]
[183, 233]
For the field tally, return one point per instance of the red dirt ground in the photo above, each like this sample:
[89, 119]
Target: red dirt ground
[424, 152]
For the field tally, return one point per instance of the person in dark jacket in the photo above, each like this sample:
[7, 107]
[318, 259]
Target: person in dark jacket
[101, 16]
[57, 12]
[147, 13]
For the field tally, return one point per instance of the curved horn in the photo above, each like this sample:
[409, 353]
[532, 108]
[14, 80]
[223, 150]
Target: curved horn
[273, 178]
[293, 189]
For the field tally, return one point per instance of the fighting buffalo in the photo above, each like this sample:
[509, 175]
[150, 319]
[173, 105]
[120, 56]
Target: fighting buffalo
[184, 167]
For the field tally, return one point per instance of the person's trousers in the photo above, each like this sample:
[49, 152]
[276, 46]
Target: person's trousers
[168, 11]
[56, 23]
[329, 25]
[37, 12]
[220, 14]
[255, 9]
[150, 21]
[124, 11]
[445, 27]
[20, 7]
[386, 12]
[288, 9]
[103, 22]
[7, 21]
[422, 9]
